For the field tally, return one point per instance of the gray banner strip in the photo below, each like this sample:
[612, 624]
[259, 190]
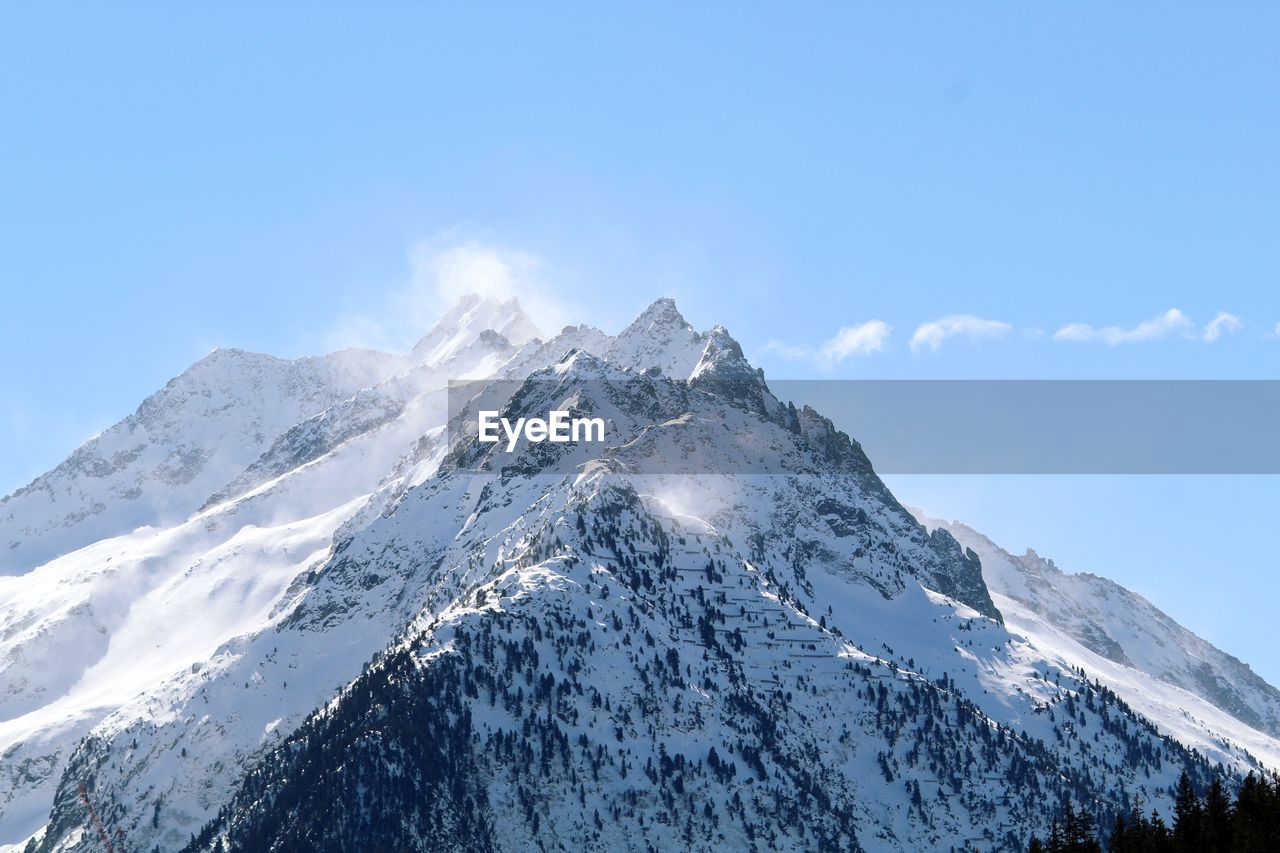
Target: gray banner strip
[924, 426]
[1054, 426]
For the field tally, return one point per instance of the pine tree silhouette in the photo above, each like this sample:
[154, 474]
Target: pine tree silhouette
[1208, 824]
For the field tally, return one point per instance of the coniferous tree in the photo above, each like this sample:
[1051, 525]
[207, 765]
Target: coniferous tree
[1078, 832]
[1187, 814]
[1216, 822]
[1055, 837]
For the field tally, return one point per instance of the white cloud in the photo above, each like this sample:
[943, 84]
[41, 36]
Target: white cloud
[856, 340]
[1076, 332]
[1275, 333]
[441, 271]
[863, 339]
[1223, 324]
[1170, 322]
[933, 333]
[788, 351]
[849, 341]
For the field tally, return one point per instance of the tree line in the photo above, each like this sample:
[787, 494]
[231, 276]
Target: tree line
[1208, 823]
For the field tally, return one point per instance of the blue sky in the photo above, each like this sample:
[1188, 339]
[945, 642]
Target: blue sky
[176, 177]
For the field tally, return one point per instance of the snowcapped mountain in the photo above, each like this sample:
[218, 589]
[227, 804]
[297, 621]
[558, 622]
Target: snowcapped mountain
[157, 465]
[717, 630]
[1107, 621]
[87, 631]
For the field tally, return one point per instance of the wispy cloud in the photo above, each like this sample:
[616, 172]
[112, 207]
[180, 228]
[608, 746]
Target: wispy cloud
[1170, 322]
[440, 271]
[788, 351]
[1223, 324]
[864, 339]
[856, 340]
[932, 334]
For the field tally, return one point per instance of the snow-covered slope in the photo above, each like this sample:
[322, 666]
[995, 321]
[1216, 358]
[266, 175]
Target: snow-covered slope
[159, 464]
[90, 630]
[575, 647]
[660, 337]
[463, 323]
[279, 454]
[556, 622]
[1120, 626]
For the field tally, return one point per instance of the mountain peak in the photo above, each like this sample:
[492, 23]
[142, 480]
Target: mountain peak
[661, 314]
[660, 337]
[722, 359]
[466, 320]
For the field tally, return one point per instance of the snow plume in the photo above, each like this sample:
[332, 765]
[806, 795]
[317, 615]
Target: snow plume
[931, 335]
[442, 270]
[1170, 322]
[695, 499]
